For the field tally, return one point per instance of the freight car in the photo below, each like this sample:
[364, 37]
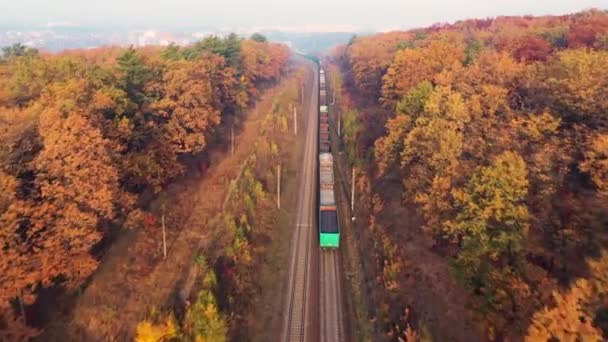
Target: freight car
[329, 224]
[329, 227]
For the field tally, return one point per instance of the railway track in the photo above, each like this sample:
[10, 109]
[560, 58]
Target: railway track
[331, 308]
[297, 307]
[300, 324]
[331, 303]
[296, 327]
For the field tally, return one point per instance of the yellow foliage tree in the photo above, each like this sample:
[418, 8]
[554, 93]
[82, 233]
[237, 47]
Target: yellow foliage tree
[493, 223]
[412, 66]
[147, 331]
[596, 162]
[204, 322]
[576, 81]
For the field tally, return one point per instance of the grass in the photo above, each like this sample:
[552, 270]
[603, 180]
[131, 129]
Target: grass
[254, 231]
[266, 319]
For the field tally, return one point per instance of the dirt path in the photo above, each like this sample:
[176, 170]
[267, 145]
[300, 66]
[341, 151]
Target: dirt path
[133, 279]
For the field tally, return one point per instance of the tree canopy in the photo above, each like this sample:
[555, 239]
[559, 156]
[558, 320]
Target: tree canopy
[85, 134]
[496, 130]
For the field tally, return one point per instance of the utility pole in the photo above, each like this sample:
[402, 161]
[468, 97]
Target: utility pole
[279, 186]
[302, 87]
[232, 140]
[295, 122]
[339, 123]
[162, 219]
[352, 196]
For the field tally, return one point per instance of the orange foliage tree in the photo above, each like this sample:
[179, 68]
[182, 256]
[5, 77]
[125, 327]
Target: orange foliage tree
[480, 104]
[439, 58]
[262, 62]
[84, 133]
[370, 57]
[188, 104]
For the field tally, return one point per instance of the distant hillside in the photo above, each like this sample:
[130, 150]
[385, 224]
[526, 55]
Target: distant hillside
[310, 42]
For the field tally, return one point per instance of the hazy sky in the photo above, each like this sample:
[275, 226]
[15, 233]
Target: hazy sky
[369, 14]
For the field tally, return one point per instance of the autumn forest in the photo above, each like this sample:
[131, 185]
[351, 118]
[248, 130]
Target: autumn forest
[485, 150]
[481, 156]
[88, 137]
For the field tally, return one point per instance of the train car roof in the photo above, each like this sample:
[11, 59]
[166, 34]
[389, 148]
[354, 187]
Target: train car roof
[328, 220]
[326, 157]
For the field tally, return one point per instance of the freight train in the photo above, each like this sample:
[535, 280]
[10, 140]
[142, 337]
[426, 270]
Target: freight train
[329, 222]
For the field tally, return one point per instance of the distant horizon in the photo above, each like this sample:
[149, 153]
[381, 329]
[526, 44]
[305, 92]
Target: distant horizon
[181, 15]
[57, 36]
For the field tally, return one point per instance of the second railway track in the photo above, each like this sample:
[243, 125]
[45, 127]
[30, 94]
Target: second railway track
[296, 324]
